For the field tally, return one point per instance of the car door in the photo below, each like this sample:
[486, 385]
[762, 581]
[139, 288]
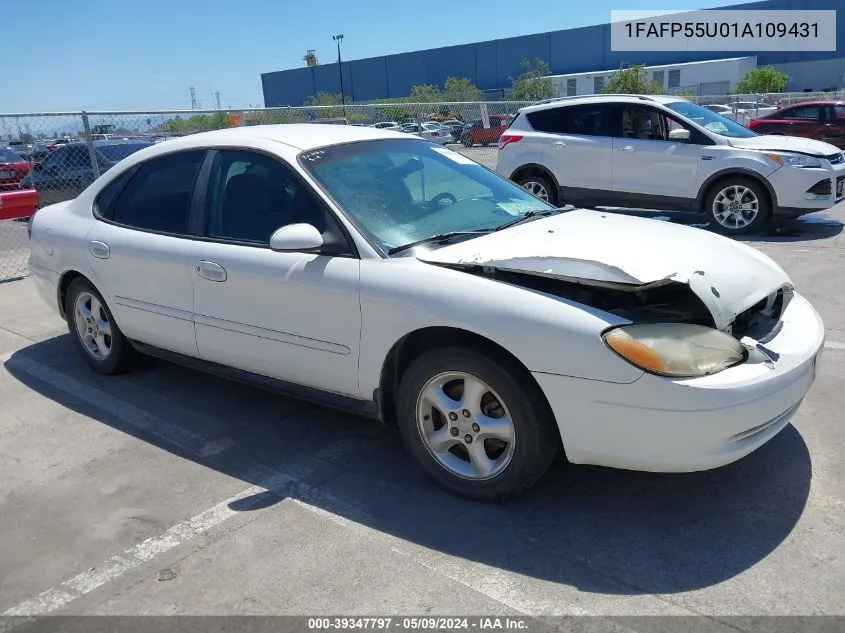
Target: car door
[577, 147]
[803, 120]
[140, 250]
[294, 316]
[648, 164]
[832, 128]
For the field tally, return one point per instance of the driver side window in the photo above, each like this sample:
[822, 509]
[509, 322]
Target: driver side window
[250, 195]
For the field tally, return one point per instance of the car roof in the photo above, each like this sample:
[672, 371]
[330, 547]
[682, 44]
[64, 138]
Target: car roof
[600, 98]
[811, 103]
[302, 136]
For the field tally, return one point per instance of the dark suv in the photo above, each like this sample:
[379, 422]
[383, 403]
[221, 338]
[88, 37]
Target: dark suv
[67, 171]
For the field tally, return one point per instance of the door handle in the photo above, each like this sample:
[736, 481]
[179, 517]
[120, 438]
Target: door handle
[627, 148]
[210, 270]
[99, 249]
[559, 144]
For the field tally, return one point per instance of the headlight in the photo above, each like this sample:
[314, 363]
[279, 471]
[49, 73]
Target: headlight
[794, 160]
[676, 349]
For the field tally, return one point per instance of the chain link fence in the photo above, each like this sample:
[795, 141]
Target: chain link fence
[60, 153]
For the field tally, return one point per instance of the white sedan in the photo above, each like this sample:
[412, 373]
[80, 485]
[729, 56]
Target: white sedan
[390, 276]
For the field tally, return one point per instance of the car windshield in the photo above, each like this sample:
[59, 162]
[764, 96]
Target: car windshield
[120, 151]
[402, 191]
[8, 156]
[710, 120]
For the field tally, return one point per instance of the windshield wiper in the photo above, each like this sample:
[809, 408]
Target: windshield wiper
[440, 237]
[525, 216]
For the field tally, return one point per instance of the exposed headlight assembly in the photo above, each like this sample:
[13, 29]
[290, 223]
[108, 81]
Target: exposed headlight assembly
[794, 160]
[679, 350]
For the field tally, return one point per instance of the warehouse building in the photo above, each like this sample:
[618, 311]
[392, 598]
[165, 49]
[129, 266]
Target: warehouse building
[570, 53]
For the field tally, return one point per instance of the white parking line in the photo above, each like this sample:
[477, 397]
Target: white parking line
[834, 345]
[113, 568]
[196, 445]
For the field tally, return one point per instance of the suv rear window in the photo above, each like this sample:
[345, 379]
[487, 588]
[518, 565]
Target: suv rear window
[584, 120]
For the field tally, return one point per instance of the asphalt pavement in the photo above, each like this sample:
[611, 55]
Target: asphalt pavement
[168, 491]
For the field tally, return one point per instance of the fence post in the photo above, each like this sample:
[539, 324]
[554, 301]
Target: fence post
[92, 155]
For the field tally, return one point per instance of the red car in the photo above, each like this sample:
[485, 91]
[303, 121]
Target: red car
[12, 169]
[820, 120]
[475, 132]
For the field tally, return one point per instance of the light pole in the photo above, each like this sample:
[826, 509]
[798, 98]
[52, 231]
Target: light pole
[339, 38]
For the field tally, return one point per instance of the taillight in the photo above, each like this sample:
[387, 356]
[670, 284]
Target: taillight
[752, 124]
[506, 139]
[433, 133]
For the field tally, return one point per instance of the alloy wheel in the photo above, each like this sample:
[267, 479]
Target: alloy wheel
[735, 207]
[92, 326]
[465, 425]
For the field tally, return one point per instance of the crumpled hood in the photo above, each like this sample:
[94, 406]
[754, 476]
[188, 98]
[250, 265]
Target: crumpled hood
[605, 248]
[778, 143]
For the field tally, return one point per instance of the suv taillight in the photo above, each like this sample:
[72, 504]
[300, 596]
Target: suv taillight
[752, 124]
[506, 139]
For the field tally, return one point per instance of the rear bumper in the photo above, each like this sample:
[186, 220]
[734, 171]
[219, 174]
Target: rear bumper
[663, 425]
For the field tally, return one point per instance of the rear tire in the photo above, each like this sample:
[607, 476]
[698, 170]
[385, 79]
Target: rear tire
[477, 424]
[738, 206]
[94, 331]
[467, 140]
[539, 186]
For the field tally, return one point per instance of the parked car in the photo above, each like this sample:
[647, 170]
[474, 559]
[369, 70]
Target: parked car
[387, 125]
[54, 144]
[32, 152]
[454, 127]
[664, 152]
[725, 110]
[494, 329]
[476, 134]
[67, 171]
[429, 131]
[13, 168]
[821, 120]
[433, 131]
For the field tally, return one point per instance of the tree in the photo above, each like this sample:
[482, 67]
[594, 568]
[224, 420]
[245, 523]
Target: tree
[323, 99]
[461, 89]
[425, 93]
[533, 84]
[763, 79]
[632, 80]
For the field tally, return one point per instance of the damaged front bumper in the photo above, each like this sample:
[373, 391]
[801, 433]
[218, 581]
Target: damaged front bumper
[682, 425]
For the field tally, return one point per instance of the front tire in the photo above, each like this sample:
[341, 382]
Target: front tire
[94, 331]
[477, 424]
[738, 206]
[539, 186]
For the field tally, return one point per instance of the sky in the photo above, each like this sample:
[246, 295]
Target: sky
[71, 55]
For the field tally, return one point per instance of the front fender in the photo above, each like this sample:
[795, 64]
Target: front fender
[545, 333]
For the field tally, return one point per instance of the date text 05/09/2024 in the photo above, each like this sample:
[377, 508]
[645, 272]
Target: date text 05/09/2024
[425, 623]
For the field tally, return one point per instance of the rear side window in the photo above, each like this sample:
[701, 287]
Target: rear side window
[158, 196]
[582, 120]
[105, 200]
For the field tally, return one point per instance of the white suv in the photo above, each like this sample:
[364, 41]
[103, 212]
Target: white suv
[664, 152]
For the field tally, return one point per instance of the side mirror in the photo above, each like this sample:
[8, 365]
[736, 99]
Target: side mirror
[680, 134]
[296, 237]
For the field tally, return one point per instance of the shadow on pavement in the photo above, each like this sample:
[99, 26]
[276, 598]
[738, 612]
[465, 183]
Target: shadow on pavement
[814, 226]
[597, 529]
